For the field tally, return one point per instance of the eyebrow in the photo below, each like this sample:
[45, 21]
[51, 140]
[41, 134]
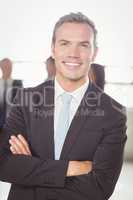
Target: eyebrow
[86, 42]
[82, 42]
[62, 40]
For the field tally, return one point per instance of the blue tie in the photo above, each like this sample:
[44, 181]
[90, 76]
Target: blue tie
[62, 124]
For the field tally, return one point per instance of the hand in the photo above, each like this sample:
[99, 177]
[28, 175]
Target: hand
[76, 168]
[19, 145]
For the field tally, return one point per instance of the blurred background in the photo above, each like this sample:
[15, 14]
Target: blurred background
[25, 38]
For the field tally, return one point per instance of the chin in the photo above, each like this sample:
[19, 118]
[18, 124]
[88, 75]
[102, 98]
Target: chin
[75, 78]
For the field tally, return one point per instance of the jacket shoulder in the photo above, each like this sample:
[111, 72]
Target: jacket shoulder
[108, 103]
[45, 84]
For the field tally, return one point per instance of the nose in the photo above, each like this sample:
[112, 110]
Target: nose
[73, 51]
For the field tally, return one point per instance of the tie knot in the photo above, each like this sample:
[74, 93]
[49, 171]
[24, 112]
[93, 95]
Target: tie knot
[66, 98]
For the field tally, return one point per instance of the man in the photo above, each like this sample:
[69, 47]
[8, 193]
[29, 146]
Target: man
[8, 89]
[83, 159]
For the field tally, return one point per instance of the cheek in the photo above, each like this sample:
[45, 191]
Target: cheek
[88, 58]
[86, 53]
[85, 57]
[58, 54]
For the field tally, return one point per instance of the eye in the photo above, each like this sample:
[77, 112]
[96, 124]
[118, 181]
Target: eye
[63, 43]
[86, 45]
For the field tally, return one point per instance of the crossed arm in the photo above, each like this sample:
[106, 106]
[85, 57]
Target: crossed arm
[19, 146]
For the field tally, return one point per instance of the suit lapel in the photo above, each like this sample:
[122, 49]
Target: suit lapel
[49, 108]
[44, 121]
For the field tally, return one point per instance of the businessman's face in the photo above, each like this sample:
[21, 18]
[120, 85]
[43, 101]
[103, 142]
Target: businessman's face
[73, 51]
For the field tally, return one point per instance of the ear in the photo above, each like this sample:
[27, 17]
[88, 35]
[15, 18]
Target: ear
[95, 53]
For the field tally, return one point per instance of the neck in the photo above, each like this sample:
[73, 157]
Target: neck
[71, 85]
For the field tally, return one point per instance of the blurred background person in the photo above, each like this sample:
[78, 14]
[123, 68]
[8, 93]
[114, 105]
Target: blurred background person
[8, 89]
[50, 67]
[97, 75]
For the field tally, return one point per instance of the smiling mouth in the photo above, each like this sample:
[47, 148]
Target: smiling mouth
[72, 65]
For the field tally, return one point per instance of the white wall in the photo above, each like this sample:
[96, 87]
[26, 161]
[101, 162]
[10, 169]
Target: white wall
[26, 30]
[26, 27]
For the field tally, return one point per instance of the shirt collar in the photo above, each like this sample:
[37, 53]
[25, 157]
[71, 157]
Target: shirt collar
[77, 94]
[58, 89]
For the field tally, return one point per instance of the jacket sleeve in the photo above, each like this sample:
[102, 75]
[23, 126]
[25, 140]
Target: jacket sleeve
[22, 169]
[99, 184]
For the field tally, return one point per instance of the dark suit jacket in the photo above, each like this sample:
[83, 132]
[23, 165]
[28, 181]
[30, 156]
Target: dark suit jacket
[97, 133]
[16, 84]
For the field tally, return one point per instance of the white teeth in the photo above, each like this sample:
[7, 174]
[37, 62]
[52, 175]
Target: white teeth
[72, 64]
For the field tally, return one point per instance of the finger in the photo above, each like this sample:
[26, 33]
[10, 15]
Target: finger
[13, 150]
[17, 144]
[15, 147]
[25, 143]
